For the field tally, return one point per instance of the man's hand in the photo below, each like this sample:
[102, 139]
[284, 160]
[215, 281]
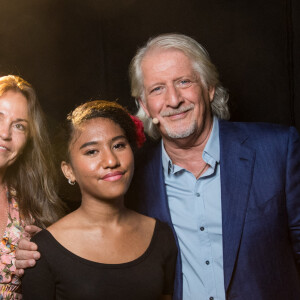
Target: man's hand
[27, 254]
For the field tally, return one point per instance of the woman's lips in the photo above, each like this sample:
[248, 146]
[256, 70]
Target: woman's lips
[3, 148]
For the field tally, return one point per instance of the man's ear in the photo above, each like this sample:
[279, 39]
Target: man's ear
[211, 93]
[68, 171]
[144, 106]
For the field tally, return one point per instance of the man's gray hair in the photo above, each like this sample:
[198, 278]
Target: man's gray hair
[202, 65]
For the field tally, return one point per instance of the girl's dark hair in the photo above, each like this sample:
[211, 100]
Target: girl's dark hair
[99, 109]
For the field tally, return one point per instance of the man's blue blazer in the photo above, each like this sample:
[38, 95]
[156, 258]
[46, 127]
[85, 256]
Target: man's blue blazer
[260, 196]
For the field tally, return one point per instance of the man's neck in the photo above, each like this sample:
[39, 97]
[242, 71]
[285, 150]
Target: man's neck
[187, 152]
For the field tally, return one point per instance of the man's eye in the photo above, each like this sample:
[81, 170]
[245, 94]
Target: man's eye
[156, 89]
[184, 82]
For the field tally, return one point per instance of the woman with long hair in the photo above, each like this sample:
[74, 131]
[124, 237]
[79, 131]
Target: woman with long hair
[102, 250]
[27, 193]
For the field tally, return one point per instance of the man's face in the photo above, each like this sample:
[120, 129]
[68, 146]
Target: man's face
[174, 94]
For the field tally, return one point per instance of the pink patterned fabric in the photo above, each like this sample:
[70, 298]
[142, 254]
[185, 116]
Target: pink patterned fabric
[10, 283]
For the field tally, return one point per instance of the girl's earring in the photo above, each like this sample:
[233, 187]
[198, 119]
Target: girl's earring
[71, 182]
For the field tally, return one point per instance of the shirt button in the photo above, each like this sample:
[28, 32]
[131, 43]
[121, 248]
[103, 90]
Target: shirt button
[198, 194]
[201, 228]
[207, 262]
[211, 298]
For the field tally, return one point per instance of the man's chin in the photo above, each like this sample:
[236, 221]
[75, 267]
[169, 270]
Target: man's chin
[180, 134]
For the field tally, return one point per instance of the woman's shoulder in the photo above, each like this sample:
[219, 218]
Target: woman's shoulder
[13, 208]
[14, 228]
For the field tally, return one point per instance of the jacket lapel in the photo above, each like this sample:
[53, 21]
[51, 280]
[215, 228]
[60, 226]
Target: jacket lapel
[236, 163]
[156, 198]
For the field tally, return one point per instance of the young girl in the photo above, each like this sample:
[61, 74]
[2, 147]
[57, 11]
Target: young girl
[102, 250]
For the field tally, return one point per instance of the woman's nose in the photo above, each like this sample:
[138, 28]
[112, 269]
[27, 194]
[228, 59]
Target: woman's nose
[5, 132]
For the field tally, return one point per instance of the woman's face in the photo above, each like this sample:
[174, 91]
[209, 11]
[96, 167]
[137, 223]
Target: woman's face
[101, 158]
[14, 127]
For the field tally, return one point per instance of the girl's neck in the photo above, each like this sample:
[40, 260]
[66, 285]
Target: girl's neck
[102, 212]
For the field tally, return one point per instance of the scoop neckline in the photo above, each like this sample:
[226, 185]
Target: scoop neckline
[136, 261]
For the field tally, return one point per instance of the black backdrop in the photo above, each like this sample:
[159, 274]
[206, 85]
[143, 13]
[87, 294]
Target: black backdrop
[73, 51]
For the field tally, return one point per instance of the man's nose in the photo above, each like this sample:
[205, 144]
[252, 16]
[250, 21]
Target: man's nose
[173, 97]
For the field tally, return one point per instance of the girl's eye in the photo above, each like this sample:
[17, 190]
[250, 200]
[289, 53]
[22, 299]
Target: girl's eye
[91, 152]
[119, 146]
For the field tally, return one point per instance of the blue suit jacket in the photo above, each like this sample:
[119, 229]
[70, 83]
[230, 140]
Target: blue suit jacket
[260, 196]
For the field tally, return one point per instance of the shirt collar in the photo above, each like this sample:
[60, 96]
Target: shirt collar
[212, 148]
[211, 153]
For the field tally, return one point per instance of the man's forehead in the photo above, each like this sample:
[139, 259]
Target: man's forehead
[157, 52]
[166, 63]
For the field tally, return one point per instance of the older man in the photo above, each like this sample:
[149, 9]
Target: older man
[230, 191]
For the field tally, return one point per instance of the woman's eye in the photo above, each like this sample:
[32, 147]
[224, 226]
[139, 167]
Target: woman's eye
[20, 127]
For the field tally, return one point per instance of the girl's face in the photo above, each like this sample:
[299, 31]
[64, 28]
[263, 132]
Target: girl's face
[14, 127]
[101, 158]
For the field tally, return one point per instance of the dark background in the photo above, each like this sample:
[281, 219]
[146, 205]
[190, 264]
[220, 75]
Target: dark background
[73, 51]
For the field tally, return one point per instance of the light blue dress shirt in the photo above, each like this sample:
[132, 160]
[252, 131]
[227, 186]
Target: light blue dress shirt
[195, 207]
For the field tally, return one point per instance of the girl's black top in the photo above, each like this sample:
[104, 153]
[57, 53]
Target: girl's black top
[60, 274]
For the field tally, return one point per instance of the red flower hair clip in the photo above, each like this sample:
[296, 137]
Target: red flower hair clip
[139, 130]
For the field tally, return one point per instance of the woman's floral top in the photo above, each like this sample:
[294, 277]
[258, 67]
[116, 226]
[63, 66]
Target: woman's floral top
[10, 283]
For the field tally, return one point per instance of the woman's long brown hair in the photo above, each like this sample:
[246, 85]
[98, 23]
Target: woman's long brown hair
[31, 179]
